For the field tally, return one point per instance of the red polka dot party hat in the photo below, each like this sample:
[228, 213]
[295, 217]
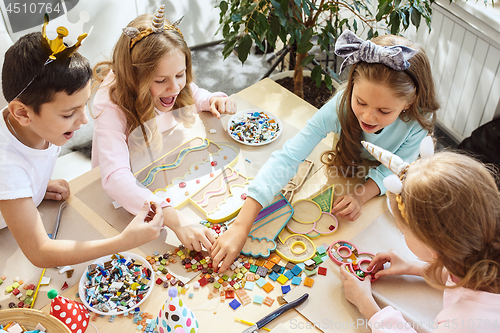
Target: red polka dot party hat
[72, 313]
[175, 316]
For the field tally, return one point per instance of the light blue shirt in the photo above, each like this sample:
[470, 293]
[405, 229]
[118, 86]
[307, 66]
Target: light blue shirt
[401, 138]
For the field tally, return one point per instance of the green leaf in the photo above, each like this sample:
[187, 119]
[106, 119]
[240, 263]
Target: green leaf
[223, 7]
[316, 75]
[284, 4]
[244, 48]
[275, 25]
[355, 25]
[278, 11]
[397, 3]
[328, 82]
[370, 33]
[283, 34]
[394, 22]
[225, 30]
[415, 17]
[383, 9]
[307, 60]
[257, 41]
[306, 8]
[228, 48]
[262, 22]
[304, 44]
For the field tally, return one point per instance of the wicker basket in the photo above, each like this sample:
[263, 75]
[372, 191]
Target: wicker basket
[29, 318]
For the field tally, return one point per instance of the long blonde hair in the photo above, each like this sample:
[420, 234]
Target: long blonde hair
[414, 85]
[134, 71]
[452, 205]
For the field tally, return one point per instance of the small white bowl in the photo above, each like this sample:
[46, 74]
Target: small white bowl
[242, 114]
[101, 261]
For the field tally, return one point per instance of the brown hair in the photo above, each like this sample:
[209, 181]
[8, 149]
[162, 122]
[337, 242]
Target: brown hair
[452, 205]
[414, 84]
[134, 71]
[24, 62]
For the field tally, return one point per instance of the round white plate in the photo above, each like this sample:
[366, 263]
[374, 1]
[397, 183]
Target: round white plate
[101, 261]
[246, 115]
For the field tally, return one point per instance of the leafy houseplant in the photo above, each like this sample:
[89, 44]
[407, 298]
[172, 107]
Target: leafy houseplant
[301, 24]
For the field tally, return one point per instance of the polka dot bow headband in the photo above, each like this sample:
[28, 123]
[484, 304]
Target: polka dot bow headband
[354, 50]
[394, 183]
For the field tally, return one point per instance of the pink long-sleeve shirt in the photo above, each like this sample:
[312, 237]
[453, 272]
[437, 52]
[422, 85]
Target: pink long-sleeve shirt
[465, 311]
[110, 149]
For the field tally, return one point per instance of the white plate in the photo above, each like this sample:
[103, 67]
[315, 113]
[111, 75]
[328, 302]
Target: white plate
[246, 115]
[101, 261]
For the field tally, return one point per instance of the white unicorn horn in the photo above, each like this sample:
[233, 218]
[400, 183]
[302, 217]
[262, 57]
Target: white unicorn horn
[392, 161]
[393, 184]
[158, 23]
[426, 147]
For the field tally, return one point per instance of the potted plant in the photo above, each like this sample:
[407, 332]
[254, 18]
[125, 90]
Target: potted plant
[301, 24]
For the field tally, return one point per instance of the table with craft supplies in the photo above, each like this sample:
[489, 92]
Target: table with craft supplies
[326, 308]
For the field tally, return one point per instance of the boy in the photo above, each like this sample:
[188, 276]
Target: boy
[46, 105]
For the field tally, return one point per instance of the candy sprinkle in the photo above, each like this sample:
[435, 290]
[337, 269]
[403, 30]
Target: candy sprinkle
[254, 128]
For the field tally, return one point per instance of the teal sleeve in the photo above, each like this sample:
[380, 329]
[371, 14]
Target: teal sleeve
[408, 151]
[283, 164]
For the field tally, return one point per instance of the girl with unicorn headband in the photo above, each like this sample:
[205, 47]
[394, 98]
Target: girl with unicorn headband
[388, 99]
[447, 205]
[149, 77]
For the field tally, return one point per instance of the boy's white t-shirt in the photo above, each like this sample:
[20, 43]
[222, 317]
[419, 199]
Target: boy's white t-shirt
[25, 172]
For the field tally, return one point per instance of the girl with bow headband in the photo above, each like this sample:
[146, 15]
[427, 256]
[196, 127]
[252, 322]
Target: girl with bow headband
[447, 206]
[388, 99]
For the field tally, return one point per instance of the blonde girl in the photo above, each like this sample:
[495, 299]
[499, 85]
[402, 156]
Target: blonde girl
[149, 77]
[451, 209]
[389, 100]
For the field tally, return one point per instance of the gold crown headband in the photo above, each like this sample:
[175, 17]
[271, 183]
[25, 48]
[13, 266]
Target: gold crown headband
[157, 26]
[394, 183]
[55, 49]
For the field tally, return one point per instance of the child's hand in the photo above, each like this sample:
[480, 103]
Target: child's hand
[57, 189]
[194, 236]
[348, 207]
[221, 105]
[228, 246]
[399, 265]
[191, 235]
[359, 292]
[145, 227]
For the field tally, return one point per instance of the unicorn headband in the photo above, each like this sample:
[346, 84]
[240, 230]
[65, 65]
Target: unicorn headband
[394, 183]
[157, 26]
[354, 50]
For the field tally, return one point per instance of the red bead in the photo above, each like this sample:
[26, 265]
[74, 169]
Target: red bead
[168, 200]
[211, 175]
[182, 185]
[213, 163]
[198, 181]
[244, 196]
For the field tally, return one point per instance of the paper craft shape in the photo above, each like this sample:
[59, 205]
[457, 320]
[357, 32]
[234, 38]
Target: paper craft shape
[312, 217]
[343, 252]
[175, 316]
[199, 172]
[271, 220]
[72, 313]
[295, 248]
[298, 180]
[223, 197]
